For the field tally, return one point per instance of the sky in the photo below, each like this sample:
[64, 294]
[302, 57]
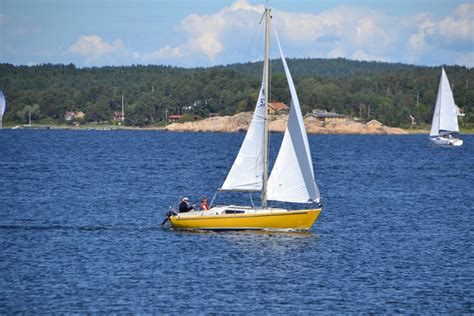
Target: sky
[193, 33]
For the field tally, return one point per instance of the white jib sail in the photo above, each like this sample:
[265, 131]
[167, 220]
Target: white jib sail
[247, 171]
[292, 177]
[2, 104]
[444, 116]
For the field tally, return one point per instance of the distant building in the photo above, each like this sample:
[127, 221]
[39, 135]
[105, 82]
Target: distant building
[117, 117]
[460, 111]
[73, 115]
[277, 107]
[174, 117]
[374, 124]
[326, 117]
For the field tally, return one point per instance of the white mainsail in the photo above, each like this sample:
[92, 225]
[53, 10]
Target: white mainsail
[292, 177]
[444, 116]
[247, 171]
[2, 103]
[2, 107]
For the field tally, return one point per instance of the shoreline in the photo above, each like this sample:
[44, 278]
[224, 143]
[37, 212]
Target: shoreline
[164, 129]
[328, 131]
[240, 123]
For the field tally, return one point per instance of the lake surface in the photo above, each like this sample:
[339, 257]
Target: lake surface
[80, 215]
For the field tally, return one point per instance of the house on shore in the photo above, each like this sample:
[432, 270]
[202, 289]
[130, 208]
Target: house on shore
[174, 118]
[277, 108]
[117, 117]
[328, 117]
[374, 124]
[74, 117]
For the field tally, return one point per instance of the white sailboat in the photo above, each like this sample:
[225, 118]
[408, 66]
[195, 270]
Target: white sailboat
[3, 107]
[444, 127]
[291, 180]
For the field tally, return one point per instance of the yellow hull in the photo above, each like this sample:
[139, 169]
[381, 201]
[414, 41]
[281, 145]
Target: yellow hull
[299, 220]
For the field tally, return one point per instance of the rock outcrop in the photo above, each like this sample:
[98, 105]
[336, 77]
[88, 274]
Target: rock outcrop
[277, 123]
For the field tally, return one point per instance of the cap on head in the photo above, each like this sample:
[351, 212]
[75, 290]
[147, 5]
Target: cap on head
[185, 199]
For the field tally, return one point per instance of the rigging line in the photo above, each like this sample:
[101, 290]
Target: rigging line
[247, 51]
[173, 205]
[213, 198]
[259, 48]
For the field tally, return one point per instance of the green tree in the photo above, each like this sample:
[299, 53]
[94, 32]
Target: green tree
[99, 111]
[29, 111]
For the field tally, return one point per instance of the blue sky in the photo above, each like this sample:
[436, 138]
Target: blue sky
[205, 33]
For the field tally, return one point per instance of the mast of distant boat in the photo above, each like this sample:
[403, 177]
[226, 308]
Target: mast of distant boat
[265, 137]
[123, 113]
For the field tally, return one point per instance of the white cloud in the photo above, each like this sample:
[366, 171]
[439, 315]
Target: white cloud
[206, 34]
[162, 53]
[97, 51]
[362, 55]
[465, 11]
[452, 32]
[337, 52]
[345, 31]
[93, 47]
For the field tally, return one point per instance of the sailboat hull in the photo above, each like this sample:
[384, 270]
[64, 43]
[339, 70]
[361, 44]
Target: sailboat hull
[297, 220]
[446, 142]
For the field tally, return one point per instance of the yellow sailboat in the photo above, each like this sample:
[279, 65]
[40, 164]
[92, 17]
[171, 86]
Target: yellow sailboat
[291, 180]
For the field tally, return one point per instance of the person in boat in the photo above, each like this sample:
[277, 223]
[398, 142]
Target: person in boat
[204, 206]
[184, 206]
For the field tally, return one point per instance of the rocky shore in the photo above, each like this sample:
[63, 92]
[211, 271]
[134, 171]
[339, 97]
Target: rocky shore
[277, 123]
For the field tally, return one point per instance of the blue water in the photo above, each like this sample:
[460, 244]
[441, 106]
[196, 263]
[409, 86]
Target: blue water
[80, 214]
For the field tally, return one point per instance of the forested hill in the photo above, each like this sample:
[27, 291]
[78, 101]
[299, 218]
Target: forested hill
[390, 92]
[338, 67]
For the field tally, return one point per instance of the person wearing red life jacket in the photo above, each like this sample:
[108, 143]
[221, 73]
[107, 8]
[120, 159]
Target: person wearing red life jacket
[204, 206]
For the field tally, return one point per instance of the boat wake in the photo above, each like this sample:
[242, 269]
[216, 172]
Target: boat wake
[55, 227]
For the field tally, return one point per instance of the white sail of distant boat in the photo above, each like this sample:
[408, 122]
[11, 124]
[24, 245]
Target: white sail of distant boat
[444, 126]
[291, 180]
[3, 107]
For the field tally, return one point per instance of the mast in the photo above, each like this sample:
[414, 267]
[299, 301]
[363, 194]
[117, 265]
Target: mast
[439, 110]
[123, 113]
[265, 136]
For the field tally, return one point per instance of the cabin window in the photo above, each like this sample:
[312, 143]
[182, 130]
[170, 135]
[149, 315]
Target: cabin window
[234, 212]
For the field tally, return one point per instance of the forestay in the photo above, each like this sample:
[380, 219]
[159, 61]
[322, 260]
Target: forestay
[247, 171]
[292, 177]
[444, 116]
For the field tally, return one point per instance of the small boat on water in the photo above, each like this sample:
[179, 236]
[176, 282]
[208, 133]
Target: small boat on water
[291, 180]
[444, 127]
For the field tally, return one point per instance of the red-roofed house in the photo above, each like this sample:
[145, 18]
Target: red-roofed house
[174, 117]
[277, 107]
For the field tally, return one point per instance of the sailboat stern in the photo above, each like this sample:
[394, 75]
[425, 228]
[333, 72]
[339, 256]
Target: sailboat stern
[260, 220]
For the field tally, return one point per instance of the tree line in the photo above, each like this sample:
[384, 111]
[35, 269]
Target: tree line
[387, 92]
